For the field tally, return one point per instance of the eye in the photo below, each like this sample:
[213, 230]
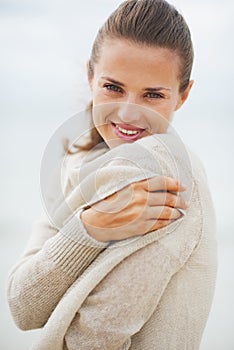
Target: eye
[154, 95]
[112, 87]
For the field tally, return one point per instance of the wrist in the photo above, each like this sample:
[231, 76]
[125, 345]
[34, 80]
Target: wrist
[89, 222]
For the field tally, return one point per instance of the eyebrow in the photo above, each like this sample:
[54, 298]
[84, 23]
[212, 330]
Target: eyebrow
[151, 89]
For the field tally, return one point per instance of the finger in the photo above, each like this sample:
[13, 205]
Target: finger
[162, 183]
[158, 224]
[163, 213]
[166, 199]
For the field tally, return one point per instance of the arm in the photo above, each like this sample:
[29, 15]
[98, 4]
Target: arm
[55, 258]
[158, 296]
[128, 213]
[51, 262]
[121, 304]
[45, 272]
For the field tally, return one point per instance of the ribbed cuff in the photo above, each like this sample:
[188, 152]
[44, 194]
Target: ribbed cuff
[75, 230]
[73, 249]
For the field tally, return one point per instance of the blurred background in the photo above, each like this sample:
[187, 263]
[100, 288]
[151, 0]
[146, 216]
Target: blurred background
[44, 48]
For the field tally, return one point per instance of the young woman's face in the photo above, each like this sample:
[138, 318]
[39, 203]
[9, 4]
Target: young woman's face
[135, 91]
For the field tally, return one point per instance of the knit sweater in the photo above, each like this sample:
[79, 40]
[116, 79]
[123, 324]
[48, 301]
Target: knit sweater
[149, 292]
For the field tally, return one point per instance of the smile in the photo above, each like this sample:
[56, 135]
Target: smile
[126, 134]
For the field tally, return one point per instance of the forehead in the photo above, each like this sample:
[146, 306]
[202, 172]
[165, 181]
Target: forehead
[126, 59]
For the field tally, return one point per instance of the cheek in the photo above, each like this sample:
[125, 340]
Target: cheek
[98, 98]
[97, 94]
[157, 124]
[163, 112]
[96, 118]
[167, 109]
[101, 112]
[159, 121]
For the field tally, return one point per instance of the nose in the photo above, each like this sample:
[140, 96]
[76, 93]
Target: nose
[129, 112]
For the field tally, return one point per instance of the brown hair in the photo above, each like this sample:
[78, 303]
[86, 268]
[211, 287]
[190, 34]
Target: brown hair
[147, 22]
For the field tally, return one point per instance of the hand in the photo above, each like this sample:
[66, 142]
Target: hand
[137, 209]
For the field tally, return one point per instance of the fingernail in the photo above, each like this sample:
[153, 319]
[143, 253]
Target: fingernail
[187, 204]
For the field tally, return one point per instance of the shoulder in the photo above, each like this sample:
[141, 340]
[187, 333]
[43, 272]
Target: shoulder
[202, 194]
[198, 167]
[200, 183]
[75, 160]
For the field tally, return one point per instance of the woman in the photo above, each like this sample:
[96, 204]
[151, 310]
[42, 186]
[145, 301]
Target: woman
[116, 265]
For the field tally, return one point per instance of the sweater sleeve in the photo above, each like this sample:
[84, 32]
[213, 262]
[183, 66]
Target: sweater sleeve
[160, 296]
[120, 305]
[57, 255]
[51, 262]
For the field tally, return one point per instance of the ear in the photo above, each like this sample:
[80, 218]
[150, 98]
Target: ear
[89, 75]
[184, 95]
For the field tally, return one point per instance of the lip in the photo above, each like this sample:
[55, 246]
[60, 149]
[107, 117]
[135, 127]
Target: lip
[125, 137]
[128, 127]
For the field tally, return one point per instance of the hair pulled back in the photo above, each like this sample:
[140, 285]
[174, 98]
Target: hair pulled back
[149, 22]
[154, 23]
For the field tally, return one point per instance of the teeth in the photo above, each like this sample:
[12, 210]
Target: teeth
[128, 132]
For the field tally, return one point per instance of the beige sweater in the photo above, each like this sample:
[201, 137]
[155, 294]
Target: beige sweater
[152, 292]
